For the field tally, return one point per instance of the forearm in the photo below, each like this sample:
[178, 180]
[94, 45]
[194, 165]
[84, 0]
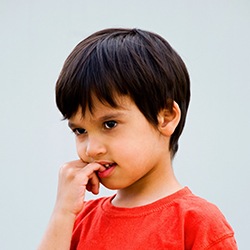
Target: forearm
[59, 232]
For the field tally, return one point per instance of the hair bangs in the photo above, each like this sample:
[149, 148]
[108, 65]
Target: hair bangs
[96, 74]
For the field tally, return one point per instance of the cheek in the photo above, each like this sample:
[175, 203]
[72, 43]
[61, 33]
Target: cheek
[80, 149]
[130, 147]
[143, 146]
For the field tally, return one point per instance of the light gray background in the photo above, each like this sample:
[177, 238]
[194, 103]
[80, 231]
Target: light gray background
[213, 37]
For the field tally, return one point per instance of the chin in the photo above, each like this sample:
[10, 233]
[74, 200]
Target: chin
[112, 186]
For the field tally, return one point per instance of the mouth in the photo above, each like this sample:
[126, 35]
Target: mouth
[110, 165]
[108, 169]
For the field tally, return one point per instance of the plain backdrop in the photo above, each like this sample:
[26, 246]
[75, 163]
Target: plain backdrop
[213, 38]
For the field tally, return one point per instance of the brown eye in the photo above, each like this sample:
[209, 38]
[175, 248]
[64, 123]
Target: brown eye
[110, 124]
[79, 131]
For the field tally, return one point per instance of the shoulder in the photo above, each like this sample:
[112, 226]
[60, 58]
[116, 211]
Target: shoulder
[198, 211]
[204, 224]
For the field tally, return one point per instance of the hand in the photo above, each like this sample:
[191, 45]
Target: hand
[74, 178]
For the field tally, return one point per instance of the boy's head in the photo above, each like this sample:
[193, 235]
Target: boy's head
[130, 62]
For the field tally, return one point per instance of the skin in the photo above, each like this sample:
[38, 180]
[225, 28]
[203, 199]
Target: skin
[139, 155]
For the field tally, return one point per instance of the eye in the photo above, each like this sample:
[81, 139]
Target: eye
[79, 131]
[110, 124]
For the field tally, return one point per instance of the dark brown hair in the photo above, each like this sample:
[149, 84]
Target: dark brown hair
[130, 62]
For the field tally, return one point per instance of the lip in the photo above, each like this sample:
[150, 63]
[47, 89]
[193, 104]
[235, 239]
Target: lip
[107, 172]
[104, 162]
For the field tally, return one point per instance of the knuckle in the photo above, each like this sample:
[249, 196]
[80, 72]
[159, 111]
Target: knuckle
[67, 170]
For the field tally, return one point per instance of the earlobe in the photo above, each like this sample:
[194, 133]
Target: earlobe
[168, 120]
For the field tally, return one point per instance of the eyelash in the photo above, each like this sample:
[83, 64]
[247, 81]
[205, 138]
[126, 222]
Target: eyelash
[79, 131]
[107, 125]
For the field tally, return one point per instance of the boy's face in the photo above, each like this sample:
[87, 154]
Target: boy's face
[121, 139]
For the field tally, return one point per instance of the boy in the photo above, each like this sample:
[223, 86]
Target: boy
[125, 94]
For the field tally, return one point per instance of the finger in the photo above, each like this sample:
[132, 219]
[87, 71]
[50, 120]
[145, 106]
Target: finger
[85, 175]
[93, 184]
[91, 168]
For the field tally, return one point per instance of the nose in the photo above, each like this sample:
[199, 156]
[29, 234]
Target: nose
[94, 147]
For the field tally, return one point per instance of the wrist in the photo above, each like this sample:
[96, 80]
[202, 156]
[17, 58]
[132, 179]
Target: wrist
[63, 214]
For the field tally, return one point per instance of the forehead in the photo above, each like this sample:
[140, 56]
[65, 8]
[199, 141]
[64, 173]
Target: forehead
[122, 102]
[103, 110]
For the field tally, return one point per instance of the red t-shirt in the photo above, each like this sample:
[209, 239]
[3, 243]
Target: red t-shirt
[179, 221]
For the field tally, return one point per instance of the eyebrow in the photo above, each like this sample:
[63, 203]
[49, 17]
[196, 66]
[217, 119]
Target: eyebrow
[110, 116]
[72, 125]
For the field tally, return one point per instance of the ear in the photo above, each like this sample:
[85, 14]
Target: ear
[169, 119]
